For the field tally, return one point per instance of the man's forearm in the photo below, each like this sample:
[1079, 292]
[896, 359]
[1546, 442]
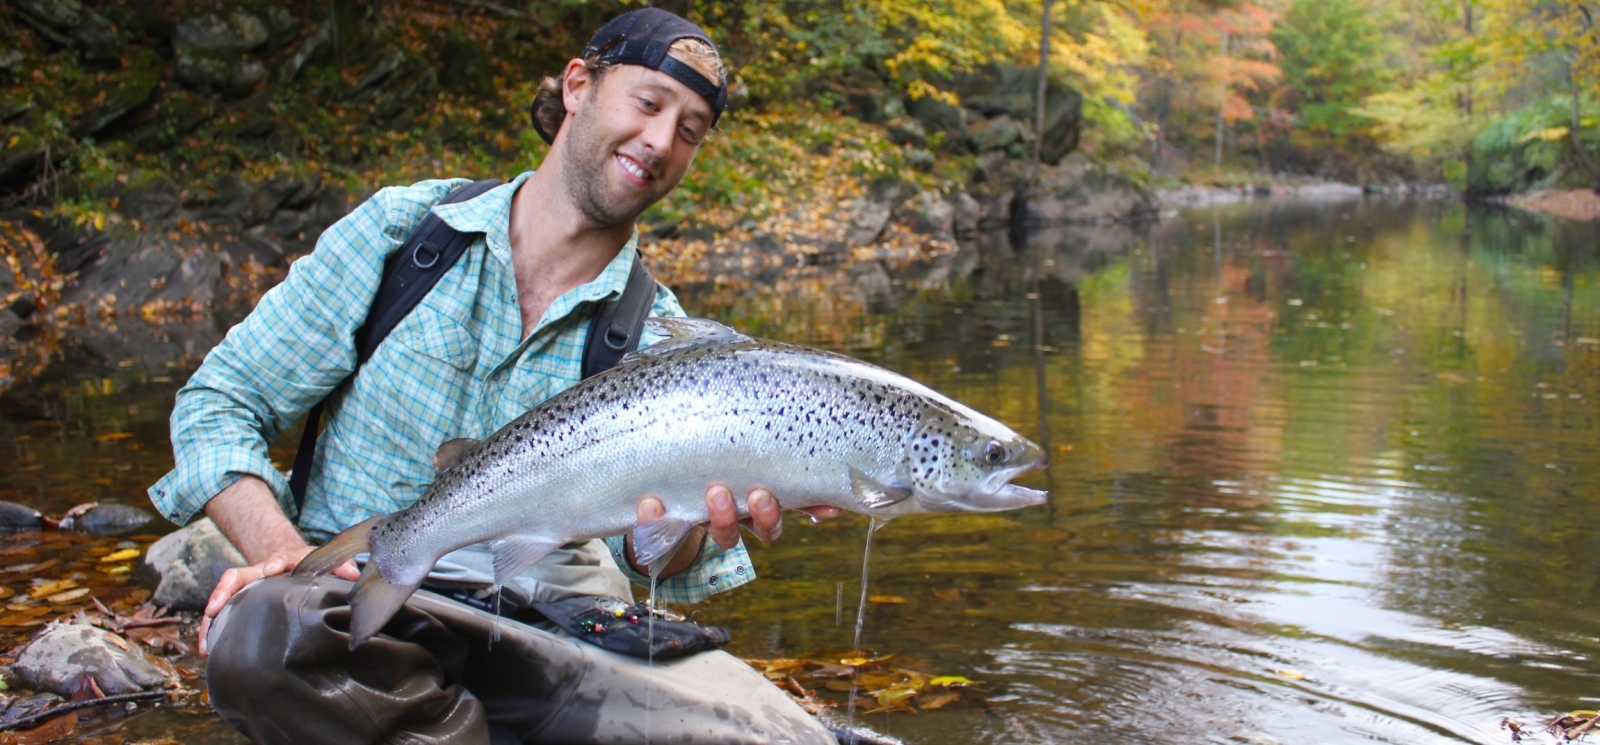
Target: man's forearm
[248, 514]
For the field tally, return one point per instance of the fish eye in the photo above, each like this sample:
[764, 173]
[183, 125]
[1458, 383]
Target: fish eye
[993, 453]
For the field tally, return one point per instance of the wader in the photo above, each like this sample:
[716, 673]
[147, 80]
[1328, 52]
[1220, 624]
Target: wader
[281, 672]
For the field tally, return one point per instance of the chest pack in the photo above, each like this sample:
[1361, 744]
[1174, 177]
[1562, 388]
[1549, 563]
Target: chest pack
[417, 266]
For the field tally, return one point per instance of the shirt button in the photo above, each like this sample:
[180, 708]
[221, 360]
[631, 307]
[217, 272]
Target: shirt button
[713, 579]
[739, 569]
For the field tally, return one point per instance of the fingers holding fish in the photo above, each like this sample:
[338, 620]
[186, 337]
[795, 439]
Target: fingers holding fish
[723, 525]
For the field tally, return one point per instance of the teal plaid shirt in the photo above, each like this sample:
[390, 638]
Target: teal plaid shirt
[457, 366]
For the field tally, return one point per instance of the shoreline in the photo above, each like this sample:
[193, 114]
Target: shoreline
[1573, 204]
[1192, 195]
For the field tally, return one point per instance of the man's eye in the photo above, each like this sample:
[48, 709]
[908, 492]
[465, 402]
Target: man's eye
[649, 104]
[691, 134]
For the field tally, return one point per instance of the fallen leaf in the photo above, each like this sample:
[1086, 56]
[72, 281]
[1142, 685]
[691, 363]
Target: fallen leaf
[936, 699]
[50, 731]
[39, 567]
[123, 555]
[6, 592]
[118, 569]
[949, 596]
[114, 436]
[1290, 674]
[875, 681]
[950, 680]
[50, 588]
[842, 686]
[62, 598]
[887, 599]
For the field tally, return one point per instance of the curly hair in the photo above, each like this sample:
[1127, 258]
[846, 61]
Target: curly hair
[549, 110]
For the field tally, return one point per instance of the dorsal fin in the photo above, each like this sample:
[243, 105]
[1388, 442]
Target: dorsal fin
[683, 333]
[450, 453]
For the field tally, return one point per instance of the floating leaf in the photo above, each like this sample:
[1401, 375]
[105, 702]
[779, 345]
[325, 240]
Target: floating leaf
[123, 555]
[842, 686]
[894, 696]
[114, 436]
[50, 731]
[950, 680]
[887, 599]
[936, 699]
[949, 596]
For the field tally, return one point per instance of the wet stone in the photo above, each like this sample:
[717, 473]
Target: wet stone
[15, 517]
[185, 566]
[109, 519]
[64, 653]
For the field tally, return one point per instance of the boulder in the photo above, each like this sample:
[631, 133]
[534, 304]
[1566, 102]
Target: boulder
[53, 19]
[308, 50]
[1079, 191]
[908, 131]
[870, 214]
[185, 565]
[211, 49]
[13, 516]
[1009, 90]
[875, 106]
[57, 659]
[96, 36]
[22, 155]
[998, 133]
[133, 89]
[930, 213]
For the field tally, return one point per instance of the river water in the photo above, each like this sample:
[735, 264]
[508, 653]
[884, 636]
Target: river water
[1321, 472]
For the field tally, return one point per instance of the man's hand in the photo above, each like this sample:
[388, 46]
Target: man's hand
[249, 516]
[765, 521]
[234, 580]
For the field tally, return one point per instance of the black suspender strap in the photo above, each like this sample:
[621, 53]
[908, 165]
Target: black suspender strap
[408, 275]
[618, 323]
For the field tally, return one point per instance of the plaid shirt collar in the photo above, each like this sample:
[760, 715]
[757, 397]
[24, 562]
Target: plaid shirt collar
[490, 214]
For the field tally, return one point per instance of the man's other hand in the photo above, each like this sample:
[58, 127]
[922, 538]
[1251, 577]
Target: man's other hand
[765, 521]
[234, 580]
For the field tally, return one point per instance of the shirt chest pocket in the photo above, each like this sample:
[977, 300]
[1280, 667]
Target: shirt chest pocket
[443, 339]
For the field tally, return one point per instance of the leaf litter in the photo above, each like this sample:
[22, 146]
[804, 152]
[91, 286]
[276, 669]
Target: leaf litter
[48, 576]
[881, 687]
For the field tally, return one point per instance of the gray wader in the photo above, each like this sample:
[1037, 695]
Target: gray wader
[280, 671]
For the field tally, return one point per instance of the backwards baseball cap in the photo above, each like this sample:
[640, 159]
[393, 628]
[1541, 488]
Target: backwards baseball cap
[643, 37]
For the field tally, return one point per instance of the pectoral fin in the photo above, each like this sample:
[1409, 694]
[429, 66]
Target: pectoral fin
[449, 454]
[514, 554]
[655, 540]
[875, 494]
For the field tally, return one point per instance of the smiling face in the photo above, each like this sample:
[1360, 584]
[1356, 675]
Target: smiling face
[630, 138]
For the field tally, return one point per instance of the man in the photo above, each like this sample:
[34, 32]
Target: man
[502, 331]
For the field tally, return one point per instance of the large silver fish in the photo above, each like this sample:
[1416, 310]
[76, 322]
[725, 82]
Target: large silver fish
[706, 405]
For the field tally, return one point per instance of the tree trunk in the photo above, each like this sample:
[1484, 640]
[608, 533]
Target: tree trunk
[1044, 75]
[1222, 96]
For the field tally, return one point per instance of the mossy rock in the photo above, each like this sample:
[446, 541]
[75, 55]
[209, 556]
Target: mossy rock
[132, 89]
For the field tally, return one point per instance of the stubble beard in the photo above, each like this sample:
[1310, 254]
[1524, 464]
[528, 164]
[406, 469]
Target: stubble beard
[590, 184]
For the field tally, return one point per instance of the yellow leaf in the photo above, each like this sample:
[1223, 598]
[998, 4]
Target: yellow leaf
[51, 588]
[887, 599]
[1290, 674]
[894, 695]
[123, 555]
[99, 221]
[117, 569]
[114, 436]
[950, 680]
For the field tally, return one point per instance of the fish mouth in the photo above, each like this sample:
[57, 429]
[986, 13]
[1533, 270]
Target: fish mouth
[1021, 496]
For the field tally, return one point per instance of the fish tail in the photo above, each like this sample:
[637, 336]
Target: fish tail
[373, 602]
[342, 548]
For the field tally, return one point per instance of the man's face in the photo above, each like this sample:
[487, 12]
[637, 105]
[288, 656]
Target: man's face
[630, 142]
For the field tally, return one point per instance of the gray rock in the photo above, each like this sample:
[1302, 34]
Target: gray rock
[109, 518]
[53, 19]
[133, 89]
[13, 708]
[875, 106]
[965, 213]
[272, 195]
[920, 159]
[21, 156]
[996, 134]
[15, 516]
[97, 37]
[308, 50]
[184, 566]
[244, 75]
[1078, 192]
[907, 131]
[930, 213]
[939, 115]
[64, 653]
[10, 324]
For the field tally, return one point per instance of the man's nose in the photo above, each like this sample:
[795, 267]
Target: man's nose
[658, 135]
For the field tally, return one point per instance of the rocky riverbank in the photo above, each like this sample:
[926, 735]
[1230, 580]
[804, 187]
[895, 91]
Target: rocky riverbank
[1572, 204]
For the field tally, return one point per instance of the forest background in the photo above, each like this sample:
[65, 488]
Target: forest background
[1488, 96]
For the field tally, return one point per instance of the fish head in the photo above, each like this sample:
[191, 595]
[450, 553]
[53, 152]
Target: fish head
[962, 461]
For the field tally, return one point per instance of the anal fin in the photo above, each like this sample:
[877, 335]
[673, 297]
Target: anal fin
[514, 554]
[655, 540]
[875, 494]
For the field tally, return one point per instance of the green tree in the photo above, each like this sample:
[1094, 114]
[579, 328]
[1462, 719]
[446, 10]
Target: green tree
[1333, 55]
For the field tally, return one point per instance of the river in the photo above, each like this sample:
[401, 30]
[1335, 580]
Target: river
[1321, 472]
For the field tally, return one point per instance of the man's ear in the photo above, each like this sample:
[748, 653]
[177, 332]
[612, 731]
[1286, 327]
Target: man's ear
[577, 80]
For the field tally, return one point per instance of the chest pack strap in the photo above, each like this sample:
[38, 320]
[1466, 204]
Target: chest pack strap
[414, 270]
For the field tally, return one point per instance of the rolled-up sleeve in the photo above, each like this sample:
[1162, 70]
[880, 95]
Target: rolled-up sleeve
[288, 354]
[716, 569]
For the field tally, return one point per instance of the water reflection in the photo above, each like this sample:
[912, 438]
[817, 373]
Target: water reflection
[1321, 472]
